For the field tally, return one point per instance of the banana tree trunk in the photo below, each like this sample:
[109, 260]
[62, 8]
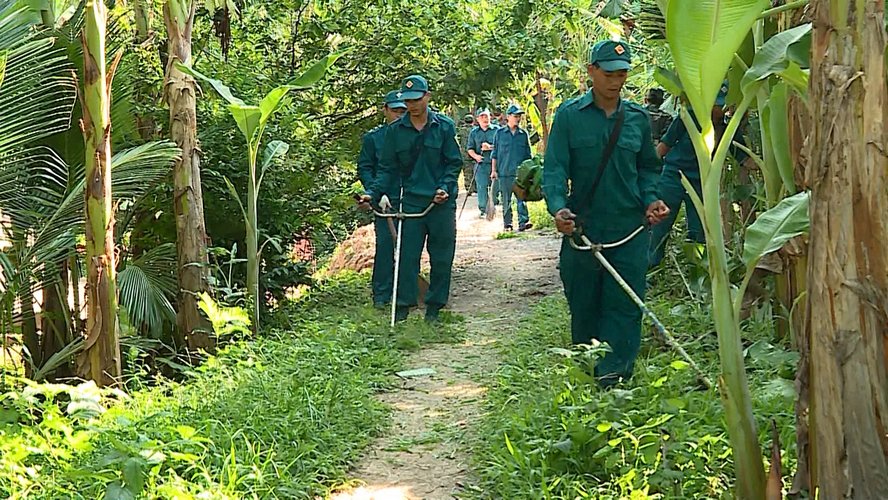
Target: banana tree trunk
[100, 360]
[191, 231]
[848, 258]
[253, 244]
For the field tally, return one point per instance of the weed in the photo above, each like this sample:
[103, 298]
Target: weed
[550, 432]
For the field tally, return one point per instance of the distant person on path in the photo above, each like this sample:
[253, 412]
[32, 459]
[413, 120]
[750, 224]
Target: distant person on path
[679, 157]
[660, 119]
[480, 149]
[421, 157]
[624, 198]
[368, 171]
[512, 147]
[464, 129]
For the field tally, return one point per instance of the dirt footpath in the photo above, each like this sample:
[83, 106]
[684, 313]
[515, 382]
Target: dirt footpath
[426, 453]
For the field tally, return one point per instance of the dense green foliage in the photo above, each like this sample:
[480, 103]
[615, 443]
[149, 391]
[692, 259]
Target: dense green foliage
[280, 416]
[550, 432]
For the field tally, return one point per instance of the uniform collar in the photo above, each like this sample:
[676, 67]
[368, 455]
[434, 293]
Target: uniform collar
[405, 120]
[589, 100]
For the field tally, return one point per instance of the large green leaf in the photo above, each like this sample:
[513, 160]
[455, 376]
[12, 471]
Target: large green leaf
[778, 124]
[220, 87]
[785, 54]
[248, 119]
[703, 36]
[273, 150]
[774, 228]
[146, 287]
[316, 71]
[667, 79]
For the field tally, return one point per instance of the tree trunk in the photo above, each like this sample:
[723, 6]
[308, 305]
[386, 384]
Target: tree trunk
[54, 326]
[191, 231]
[848, 277]
[100, 360]
[541, 100]
[142, 13]
[253, 245]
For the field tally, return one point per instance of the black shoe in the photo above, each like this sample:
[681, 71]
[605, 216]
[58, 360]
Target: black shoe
[432, 314]
[525, 227]
[401, 313]
[508, 228]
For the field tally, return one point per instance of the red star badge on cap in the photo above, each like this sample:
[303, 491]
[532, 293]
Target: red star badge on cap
[409, 84]
[619, 49]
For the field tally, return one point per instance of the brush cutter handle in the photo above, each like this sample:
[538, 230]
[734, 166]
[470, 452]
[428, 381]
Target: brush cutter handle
[588, 246]
[402, 215]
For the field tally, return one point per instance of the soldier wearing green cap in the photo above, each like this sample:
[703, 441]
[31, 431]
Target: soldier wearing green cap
[368, 171]
[660, 119]
[480, 149]
[420, 157]
[463, 131]
[511, 148]
[625, 198]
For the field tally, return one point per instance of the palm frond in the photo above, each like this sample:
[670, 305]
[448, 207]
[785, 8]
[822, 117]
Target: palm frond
[37, 94]
[146, 286]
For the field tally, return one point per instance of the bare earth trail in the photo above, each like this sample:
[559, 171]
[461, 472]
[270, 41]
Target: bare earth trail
[425, 454]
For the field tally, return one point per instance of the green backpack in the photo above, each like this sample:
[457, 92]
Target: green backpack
[528, 184]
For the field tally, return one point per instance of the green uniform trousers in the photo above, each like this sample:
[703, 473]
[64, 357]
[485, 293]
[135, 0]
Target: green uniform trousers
[482, 180]
[383, 262]
[437, 232]
[600, 309]
[673, 194]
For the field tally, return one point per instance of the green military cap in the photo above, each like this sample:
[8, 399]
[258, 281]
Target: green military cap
[611, 56]
[414, 87]
[393, 100]
[514, 109]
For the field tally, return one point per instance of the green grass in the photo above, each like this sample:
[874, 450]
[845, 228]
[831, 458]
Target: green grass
[280, 416]
[549, 432]
[539, 215]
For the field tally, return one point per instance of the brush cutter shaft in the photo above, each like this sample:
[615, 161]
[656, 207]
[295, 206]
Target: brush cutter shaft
[661, 329]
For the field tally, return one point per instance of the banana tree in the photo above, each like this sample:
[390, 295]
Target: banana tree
[703, 36]
[100, 361]
[252, 120]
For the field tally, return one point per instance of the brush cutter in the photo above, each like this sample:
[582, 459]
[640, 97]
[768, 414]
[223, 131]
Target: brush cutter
[400, 215]
[596, 249]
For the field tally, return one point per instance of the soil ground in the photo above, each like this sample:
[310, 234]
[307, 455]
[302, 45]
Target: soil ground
[426, 453]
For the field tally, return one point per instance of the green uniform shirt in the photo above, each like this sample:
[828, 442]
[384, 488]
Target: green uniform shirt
[477, 136]
[681, 156]
[510, 149]
[368, 160]
[428, 160]
[579, 135]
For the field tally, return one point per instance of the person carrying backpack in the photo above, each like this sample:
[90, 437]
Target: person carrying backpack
[600, 179]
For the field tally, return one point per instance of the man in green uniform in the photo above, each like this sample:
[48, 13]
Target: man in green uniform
[421, 159]
[679, 157]
[626, 197]
[368, 171]
[512, 147]
[464, 129]
[480, 149]
[660, 119]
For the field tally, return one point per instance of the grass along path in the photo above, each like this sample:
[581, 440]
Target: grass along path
[427, 452]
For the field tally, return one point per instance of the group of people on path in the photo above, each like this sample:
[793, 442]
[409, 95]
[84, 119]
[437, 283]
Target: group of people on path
[494, 151]
[603, 179]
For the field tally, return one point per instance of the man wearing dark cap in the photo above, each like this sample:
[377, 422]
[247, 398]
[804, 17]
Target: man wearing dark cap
[368, 171]
[512, 147]
[480, 149]
[660, 119]
[421, 159]
[606, 198]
